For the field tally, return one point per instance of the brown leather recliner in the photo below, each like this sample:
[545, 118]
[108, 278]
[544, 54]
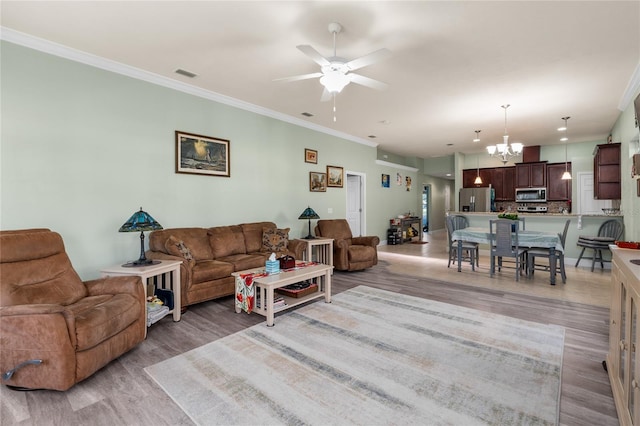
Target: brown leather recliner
[349, 253]
[56, 330]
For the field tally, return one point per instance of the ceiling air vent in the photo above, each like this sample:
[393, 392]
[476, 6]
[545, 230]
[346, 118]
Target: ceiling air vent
[185, 73]
[307, 114]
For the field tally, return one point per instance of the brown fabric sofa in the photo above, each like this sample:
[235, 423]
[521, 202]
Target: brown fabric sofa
[216, 253]
[349, 253]
[47, 313]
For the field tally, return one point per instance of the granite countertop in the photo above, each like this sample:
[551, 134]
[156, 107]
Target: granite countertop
[540, 214]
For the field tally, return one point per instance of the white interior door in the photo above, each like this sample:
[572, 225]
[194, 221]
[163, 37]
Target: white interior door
[355, 203]
[587, 204]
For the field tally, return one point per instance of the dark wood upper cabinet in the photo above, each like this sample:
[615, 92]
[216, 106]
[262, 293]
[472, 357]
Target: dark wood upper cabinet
[606, 172]
[531, 175]
[558, 189]
[502, 179]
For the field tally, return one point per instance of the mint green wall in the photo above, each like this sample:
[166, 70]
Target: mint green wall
[82, 149]
[437, 208]
[439, 166]
[627, 133]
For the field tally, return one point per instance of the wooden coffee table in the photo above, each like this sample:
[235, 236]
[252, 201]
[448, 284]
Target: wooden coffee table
[264, 288]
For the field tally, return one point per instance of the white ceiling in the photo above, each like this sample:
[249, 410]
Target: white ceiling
[453, 65]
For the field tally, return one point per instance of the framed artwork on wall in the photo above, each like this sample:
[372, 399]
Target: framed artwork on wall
[202, 155]
[385, 181]
[335, 176]
[310, 156]
[317, 182]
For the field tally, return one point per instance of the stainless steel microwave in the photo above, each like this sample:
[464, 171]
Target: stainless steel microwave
[531, 195]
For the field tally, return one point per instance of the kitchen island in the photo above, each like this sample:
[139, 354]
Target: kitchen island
[552, 222]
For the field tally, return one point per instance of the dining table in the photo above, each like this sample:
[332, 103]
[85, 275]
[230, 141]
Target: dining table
[528, 239]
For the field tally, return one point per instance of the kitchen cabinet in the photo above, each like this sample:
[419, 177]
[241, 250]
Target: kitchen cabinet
[531, 175]
[623, 362]
[558, 189]
[606, 172]
[469, 177]
[502, 179]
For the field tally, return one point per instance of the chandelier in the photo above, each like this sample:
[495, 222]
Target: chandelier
[504, 151]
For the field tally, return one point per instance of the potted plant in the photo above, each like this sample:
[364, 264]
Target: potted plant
[510, 216]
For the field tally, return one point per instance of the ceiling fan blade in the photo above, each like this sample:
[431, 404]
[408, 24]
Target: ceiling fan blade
[366, 81]
[300, 77]
[326, 96]
[313, 54]
[369, 59]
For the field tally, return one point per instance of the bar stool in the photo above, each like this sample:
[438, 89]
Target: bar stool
[609, 232]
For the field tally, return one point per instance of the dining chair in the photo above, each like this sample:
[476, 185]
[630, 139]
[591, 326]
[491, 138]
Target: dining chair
[608, 233]
[470, 250]
[534, 252]
[504, 243]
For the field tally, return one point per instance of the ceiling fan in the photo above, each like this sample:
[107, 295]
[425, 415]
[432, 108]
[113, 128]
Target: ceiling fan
[335, 72]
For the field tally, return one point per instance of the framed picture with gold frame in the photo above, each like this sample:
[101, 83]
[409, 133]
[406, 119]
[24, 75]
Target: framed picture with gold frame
[310, 156]
[317, 182]
[335, 176]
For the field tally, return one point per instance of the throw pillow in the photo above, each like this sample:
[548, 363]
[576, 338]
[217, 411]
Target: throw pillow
[176, 247]
[275, 240]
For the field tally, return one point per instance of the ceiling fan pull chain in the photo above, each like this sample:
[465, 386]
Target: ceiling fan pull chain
[334, 107]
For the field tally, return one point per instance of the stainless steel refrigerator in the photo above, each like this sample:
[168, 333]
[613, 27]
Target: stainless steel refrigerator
[477, 199]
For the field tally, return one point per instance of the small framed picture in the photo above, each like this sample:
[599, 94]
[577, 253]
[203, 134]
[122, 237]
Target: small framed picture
[317, 182]
[202, 155]
[310, 156]
[385, 181]
[335, 176]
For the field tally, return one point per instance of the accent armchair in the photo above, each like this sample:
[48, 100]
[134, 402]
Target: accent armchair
[349, 253]
[55, 329]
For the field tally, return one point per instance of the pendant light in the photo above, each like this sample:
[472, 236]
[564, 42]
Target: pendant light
[478, 180]
[566, 175]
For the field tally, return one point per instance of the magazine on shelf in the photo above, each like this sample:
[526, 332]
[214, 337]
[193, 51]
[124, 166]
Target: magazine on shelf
[277, 302]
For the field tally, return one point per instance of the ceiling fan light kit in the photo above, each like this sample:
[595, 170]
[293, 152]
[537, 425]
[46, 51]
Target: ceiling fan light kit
[335, 72]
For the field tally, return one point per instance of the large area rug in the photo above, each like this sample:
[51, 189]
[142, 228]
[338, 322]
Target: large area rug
[373, 357]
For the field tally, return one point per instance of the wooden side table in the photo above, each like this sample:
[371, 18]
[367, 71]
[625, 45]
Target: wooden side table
[156, 274]
[323, 253]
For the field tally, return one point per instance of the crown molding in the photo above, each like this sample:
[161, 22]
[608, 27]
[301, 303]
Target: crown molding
[633, 87]
[397, 166]
[46, 46]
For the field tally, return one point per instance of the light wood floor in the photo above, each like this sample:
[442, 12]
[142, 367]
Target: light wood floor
[123, 394]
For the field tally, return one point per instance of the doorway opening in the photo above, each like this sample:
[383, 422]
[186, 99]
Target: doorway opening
[426, 200]
[356, 216]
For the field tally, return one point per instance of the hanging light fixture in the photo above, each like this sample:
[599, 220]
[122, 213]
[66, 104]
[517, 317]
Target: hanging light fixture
[503, 150]
[566, 175]
[478, 180]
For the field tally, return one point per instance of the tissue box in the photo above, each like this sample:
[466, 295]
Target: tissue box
[272, 266]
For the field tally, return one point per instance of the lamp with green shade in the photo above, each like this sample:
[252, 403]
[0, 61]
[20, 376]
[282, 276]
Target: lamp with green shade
[140, 221]
[309, 214]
